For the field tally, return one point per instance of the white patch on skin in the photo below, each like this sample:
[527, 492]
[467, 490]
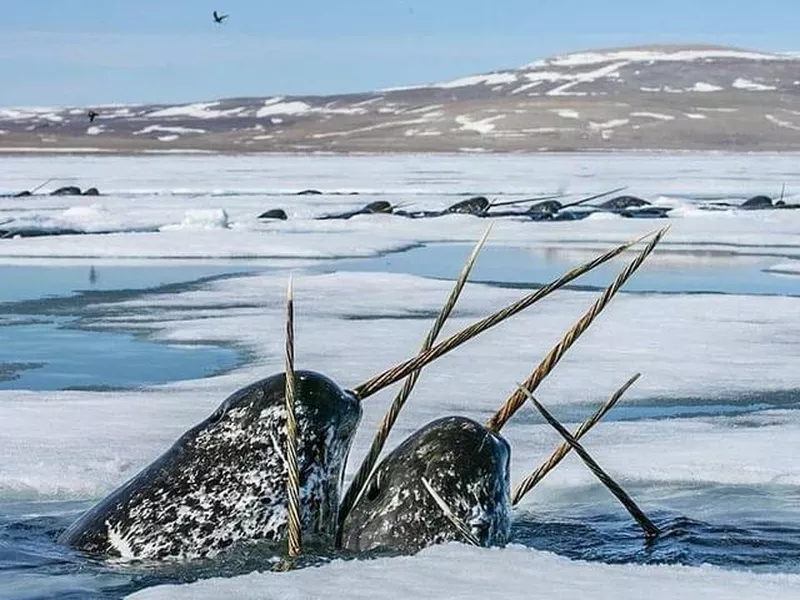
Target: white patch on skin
[120, 543]
[277, 447]
[458, 523]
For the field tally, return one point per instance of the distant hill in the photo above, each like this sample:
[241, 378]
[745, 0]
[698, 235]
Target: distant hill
[651, 97]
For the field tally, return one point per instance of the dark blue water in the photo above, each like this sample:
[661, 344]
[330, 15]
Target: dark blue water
[587, 523]
[32, 282]
[42, 348]
[767, 547]
[518, 267]
[51, 354]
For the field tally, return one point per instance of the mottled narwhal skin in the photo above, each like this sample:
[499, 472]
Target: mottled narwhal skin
[622, 202]
[477, 205]
[464, 462]
[224, 481]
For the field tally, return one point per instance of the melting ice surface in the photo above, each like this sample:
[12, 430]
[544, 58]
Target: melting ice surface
[703, 441]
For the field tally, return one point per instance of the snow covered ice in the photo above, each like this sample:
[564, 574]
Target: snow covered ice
[708, 430]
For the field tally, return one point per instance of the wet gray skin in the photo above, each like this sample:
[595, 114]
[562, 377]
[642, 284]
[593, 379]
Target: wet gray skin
[478, 205]
[621, 202]
[465, 463]
[223, 483]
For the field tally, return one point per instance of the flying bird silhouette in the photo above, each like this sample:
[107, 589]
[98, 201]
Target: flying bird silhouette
[92, 114]
[218, 18]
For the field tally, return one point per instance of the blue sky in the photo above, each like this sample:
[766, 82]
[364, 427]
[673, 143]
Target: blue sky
[85, 52]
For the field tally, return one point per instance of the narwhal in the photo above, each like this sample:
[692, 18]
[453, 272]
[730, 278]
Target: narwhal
[449, 481]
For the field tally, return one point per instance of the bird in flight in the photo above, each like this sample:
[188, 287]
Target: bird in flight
[92, 114]
[218, 18]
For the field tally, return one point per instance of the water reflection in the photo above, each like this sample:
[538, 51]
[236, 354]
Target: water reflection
[666, 272]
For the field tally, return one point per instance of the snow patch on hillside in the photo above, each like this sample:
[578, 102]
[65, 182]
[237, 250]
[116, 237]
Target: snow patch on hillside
[701, 86]
[566, 113]
[652, 115]
[482, 126]
[746, 84]
[488, 79]
[197, 110]
[683, 55]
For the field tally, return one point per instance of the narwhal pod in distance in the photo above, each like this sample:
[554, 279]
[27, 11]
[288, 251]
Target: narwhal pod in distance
[224, 481]
[450, 476]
